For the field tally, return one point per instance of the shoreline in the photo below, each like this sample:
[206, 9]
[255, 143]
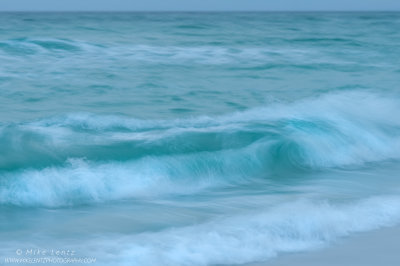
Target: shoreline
[372, 248]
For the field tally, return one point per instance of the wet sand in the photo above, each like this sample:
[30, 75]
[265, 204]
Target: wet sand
[376, 248]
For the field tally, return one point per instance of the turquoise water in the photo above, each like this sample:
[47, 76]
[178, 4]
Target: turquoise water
[196, 138]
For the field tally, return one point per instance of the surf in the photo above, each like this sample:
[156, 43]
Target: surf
[89, 158]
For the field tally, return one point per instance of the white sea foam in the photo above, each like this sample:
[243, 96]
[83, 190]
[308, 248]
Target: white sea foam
[128, 158]
[255, 236]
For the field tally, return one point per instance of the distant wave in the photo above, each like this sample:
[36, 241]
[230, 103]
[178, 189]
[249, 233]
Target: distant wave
[83, 158]
[27, 46]
[267, 57]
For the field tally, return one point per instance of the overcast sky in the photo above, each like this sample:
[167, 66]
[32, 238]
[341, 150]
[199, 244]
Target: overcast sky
[197, 5]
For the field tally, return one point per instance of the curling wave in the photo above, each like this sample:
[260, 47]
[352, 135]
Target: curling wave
[81, 158]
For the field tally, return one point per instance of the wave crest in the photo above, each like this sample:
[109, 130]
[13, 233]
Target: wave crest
[126, 157]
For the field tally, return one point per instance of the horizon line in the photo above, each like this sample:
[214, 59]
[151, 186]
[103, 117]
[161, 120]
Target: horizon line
[198, 11]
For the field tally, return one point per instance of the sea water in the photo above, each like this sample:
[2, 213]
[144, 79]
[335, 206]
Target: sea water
[195, 138]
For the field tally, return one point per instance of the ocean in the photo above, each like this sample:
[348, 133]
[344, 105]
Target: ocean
[195, 138]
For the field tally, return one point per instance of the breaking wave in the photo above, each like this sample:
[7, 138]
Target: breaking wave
[83, 158]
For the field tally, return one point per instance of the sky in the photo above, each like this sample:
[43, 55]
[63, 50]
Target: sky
[199, 5]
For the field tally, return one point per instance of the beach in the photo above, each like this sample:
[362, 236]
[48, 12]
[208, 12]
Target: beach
[374, 248]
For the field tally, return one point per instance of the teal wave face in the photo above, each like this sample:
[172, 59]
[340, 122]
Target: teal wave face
[100, 158]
